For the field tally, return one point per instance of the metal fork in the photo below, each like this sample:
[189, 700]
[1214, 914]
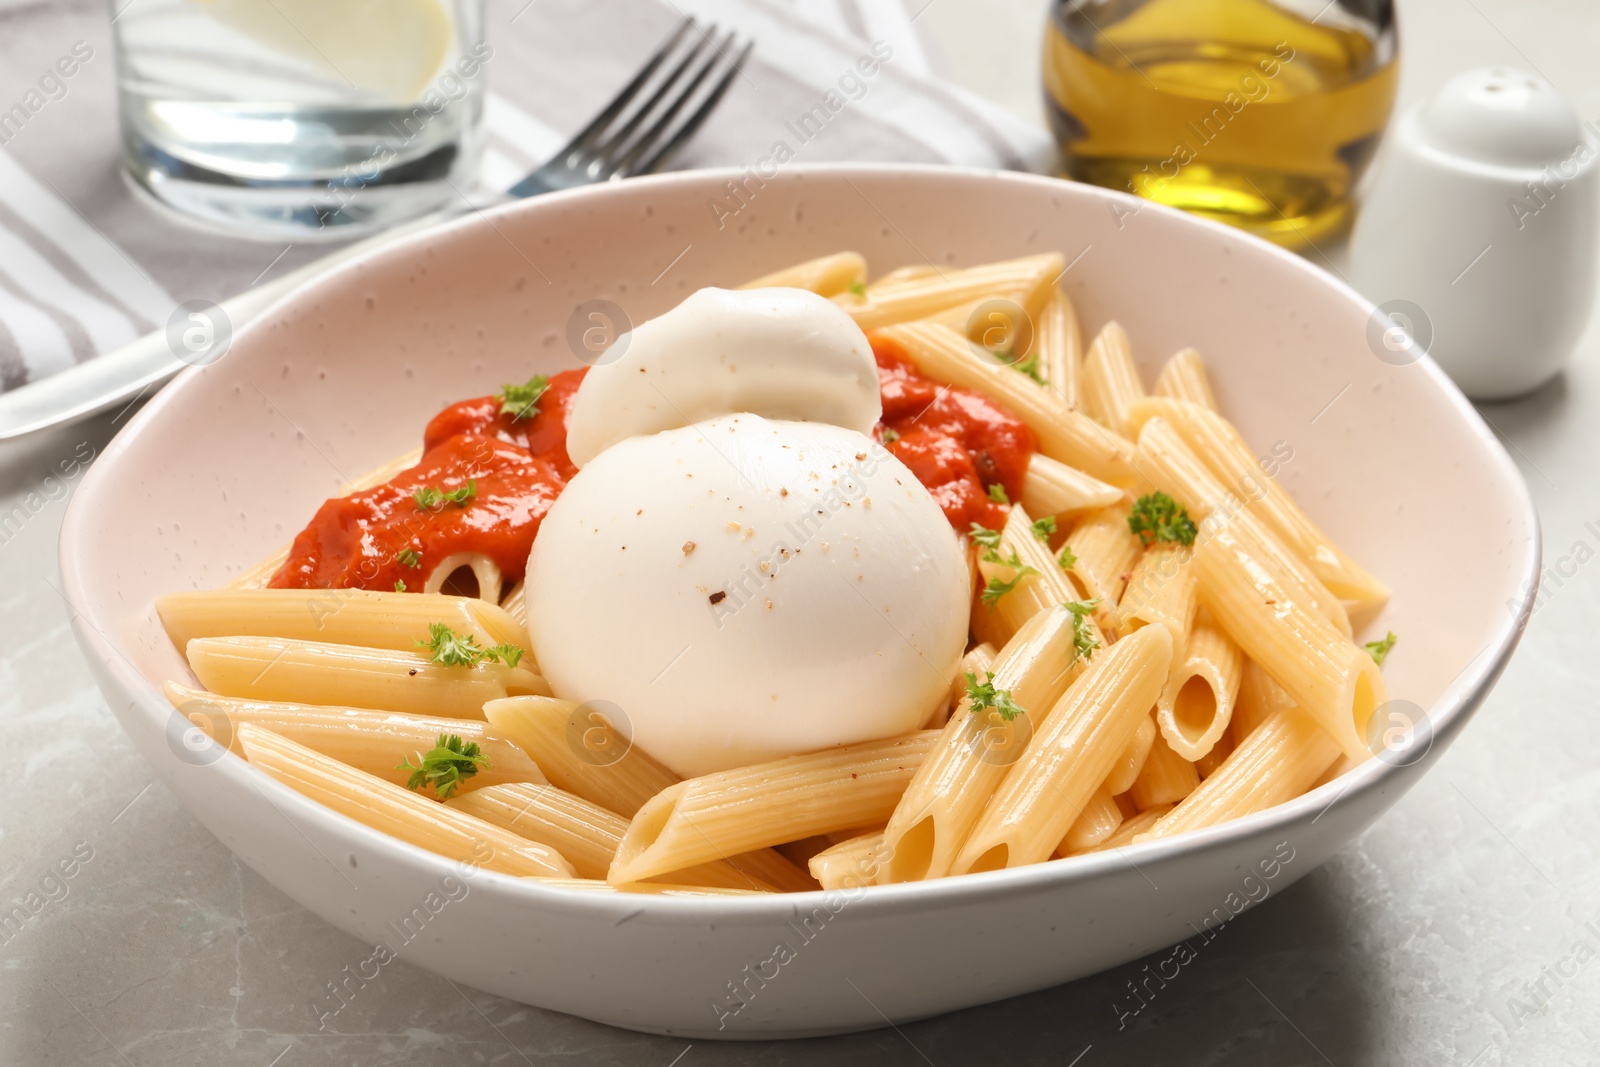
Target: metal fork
[638, 132]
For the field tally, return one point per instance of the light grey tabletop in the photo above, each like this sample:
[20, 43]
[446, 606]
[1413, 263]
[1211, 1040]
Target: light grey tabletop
[1458, 930]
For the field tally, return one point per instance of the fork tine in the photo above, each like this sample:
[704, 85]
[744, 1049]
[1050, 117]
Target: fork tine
[600, 157]
[662, 122]
[698, 118]
[586, 136]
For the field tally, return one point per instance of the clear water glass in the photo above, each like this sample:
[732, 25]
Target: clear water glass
[301, 118]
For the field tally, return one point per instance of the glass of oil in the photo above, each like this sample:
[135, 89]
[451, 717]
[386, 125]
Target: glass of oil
[1258, 113]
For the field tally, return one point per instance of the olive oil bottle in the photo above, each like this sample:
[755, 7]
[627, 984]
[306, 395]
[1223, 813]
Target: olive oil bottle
[1259, 113]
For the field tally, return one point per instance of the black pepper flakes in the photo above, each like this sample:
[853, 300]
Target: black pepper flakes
[718, 597]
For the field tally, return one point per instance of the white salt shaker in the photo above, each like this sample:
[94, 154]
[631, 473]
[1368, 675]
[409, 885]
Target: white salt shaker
[1478, 239]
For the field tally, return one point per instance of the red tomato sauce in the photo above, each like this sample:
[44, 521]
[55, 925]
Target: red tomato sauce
[517, 466]
[957, 442]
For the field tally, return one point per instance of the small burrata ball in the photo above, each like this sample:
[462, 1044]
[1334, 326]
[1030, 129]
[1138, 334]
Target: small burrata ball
[744, 589]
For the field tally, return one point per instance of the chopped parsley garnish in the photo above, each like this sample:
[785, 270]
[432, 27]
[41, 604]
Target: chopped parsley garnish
[1044, 528]
[448, 764]
[410, 557]
[1083, 640]
[985, 695]
[399, 585]
[997, 493]
[1067, 558]
[431, 499]
[984, 536]
[859, 288]
[462, 650]
[1379, 650]
[996, 588]
[522, 401]
[1158, 517]
[1030, 367]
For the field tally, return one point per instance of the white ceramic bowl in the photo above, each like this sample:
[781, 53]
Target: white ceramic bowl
[226, 463]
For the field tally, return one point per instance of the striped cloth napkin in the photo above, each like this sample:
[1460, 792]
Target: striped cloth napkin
[87, 265]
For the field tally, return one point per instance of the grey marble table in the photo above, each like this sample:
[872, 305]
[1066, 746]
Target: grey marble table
[1449, 933]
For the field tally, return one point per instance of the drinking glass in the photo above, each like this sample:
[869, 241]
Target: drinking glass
[1260, 113]
[301, 118]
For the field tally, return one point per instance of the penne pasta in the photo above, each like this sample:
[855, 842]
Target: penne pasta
[398, 621]
[1104, 550]
[975, 749]
[1332, 680]
[1184, 378]
[1053, 488]
[1132, 827]
[311, 672]
[1220, 751]
[1259, 697]
[1160, 591]
[516, 606]
[913, 272]
[398, 812]
[586, 834]
[1174, 468]
[581, 751]
[825, 275]
[1110, 381]
[851, 863]
[370, 741]
[978, 662]
[1064, 434]
[1131, 760]
[1165, 778]
[767, 804]
[485, 573]
[1099, 820]
[1277, 762]
[1197, 704]
[1060, 347]
[1070, 755]
[1233, 463]
[1010, 599]
[1337, 769]
[1027, 281]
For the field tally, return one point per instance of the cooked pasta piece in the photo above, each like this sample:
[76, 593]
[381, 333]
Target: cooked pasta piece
[1131, 761]
[1165, 778]
[975, 749]
[1259, 697]
[1160, 591]
[311, 672]
[1234, 463]
[586, 834]
[1099, 820]
[1104, 550]
[338, 616]
[1337, 769]
[767, 804]
[1060, 346]
[1047, 586]
[1174, 468]
[851, 863]
[1052, 488]
[978, 662]
[1213, 759]
[1070, 755]
[1184, 378]
[396, 811]
[516, 605]
[1064, 433]
[1277, 762]
[1197, 704]
[825, 275]
[913, 272]
[1132, 827]
[1110, 380]
[370, 741]
[581, 751]
[1332, 680]
[1029, 278]
[485, 572]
